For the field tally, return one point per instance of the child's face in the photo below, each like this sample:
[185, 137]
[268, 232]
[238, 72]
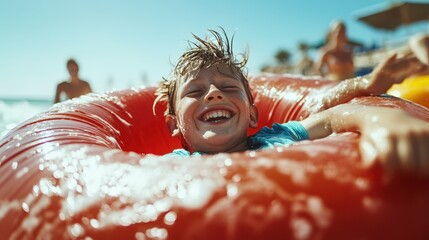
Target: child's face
[213, 112]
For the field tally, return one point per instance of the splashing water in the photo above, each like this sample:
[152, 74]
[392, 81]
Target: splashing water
[15, 111]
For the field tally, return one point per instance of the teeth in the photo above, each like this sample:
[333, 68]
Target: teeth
[216, 114]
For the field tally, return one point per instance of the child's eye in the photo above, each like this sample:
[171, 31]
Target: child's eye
[194, 92]
[230, 87]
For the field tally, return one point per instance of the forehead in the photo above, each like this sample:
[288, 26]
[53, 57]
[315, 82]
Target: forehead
[71, 64]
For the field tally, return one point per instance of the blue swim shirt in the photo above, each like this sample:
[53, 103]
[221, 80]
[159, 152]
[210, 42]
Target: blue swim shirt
[278, 135]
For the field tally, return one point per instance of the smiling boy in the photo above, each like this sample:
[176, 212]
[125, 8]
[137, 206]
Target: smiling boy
[210, 108]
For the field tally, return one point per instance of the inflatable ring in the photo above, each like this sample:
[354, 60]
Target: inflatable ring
[414, 88]
[89, 168]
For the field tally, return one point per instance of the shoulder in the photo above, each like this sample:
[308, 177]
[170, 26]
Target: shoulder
[83, 82]
[324, 53]
[63, 84]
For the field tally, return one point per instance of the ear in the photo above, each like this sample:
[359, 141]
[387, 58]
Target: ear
[172, 125]
[254, 116]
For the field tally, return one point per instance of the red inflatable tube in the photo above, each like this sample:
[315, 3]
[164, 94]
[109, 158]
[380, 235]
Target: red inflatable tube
[88, 169]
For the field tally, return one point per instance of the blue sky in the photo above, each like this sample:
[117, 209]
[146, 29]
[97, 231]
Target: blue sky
[119, 44]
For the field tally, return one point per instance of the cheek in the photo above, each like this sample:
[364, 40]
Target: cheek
[243, 101]
[185, 113]
[184, 108]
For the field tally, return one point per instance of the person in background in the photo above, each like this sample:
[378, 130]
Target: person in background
[74, 87]
[336, 58]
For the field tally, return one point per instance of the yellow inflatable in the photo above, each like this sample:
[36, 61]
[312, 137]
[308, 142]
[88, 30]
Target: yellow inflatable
[415, 89]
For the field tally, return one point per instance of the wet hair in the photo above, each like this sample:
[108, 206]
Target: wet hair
[202, 54]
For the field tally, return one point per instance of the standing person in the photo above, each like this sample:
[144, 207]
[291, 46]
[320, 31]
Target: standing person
[336, 60]
[75, 86]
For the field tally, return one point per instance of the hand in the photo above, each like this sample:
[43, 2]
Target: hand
[419, 46]
[390, 71]
[397, 140]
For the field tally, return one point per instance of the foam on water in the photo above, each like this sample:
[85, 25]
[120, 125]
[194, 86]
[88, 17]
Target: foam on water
[15, 111]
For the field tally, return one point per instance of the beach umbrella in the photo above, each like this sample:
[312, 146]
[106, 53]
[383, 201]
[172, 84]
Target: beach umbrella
[396, 15]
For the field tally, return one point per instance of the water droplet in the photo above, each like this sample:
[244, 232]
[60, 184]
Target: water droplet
[223, 171]
[236, 178]
[301, 228]
[163, 205]
[25, 207]
[14, 165]
[150, 212]
[227, 162]
[361, 184]
[21, 172]
[71, 183]
[36, 190]
[159, 233]
[79, 188]
[251, 153]
[232, 190]
[94, 223]
[76, 230]
[140, 236]
[170, 218]
[372, 204]
[58, 174]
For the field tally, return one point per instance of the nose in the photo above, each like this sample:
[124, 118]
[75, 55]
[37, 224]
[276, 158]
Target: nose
[214, 94]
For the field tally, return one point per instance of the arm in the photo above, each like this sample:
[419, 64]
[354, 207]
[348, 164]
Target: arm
[58, 93]
[89, 89]
[419, 45]
[394, 138]
[392, 70]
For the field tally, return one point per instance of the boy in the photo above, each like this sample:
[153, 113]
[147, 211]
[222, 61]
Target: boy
[210, 108]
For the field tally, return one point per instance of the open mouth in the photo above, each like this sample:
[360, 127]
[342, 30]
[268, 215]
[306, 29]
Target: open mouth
[216, 116]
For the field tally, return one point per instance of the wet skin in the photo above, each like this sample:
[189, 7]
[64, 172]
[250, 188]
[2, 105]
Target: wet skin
[213, 112]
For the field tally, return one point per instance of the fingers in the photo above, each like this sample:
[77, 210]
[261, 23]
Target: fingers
[388, 156]
[407, 154]
[401, 68]
[368, 152]
[385, 63]
[377, 146]
[382, 152]
[398, 151]
[419, 45]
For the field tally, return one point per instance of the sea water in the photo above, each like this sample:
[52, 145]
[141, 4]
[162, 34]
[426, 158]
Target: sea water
[15, 111]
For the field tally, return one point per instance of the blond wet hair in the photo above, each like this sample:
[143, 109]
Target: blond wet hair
[203, 53]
